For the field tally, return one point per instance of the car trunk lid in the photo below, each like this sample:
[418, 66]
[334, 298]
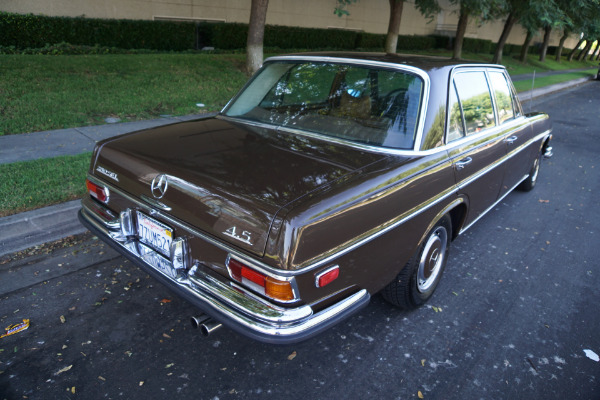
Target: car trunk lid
[225, 178]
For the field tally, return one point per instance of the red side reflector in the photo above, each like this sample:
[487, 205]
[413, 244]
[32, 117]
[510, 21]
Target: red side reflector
[328, 276]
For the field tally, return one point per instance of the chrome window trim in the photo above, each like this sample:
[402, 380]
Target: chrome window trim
[366, 63]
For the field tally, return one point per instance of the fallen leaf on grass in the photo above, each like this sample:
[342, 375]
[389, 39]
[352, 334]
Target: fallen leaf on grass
[167, 336]
[292, 356]
[544, 201]
[62, 319]
[165, 301]
[420, 395]
[73, 390]
[422, 362]
[141, 383]
[102, 378]
[169, 365]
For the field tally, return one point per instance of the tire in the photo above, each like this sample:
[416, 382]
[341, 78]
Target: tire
[419, 278]
[529, 183]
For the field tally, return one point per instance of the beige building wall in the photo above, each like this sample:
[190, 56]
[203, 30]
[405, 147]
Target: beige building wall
[365, 15]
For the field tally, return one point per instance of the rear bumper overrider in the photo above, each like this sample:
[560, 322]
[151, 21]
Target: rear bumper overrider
[222, 299]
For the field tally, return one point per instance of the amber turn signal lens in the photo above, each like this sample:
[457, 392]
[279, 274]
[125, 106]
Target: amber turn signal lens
[274, 288]
[279, 290]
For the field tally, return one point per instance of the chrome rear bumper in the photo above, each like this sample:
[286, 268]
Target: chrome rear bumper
[219, 297]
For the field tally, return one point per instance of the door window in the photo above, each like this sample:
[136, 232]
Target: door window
[475, 99]
[502, 95]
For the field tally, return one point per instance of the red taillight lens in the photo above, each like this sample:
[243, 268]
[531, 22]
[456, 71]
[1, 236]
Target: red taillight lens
[271, 287]
[97, 191]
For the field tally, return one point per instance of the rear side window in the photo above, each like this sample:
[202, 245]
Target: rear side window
[502, 96]
[475, 99]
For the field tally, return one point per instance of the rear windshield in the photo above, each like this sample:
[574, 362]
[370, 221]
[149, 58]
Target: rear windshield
[366, 105]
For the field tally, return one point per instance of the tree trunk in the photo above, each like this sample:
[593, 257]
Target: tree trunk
[586, 50]
[591, 54]
[561, 45]
[525, 47]
[463, 21]
[510, 21]
[256, 34]
[572, 53]
[547, 31]
[391, 41]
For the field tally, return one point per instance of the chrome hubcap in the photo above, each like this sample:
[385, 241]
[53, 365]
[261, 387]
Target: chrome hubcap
[432, 259]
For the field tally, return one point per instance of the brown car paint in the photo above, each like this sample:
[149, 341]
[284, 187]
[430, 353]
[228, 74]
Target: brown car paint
[309, 203]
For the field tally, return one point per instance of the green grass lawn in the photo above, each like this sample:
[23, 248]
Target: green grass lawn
[33, 184]
[525, 85]
[50, 92]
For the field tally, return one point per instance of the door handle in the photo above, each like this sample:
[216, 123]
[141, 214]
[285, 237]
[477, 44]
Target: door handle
[511, 139]
[462, 163]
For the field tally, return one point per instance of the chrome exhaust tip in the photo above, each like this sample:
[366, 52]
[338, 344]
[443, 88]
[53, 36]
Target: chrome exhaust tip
[208, 327]
[197, 321]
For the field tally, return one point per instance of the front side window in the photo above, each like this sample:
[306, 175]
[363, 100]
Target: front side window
[502, 96]
[362, 104]
[476, 101]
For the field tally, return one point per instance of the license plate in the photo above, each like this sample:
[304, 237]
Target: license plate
[157, 261]
[154, 234]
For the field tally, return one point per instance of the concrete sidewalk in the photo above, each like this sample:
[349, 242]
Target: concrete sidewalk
[32, 228]
[72, 141]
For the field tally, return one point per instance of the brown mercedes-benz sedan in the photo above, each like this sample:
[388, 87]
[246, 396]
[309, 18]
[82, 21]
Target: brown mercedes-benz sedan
[328, 178]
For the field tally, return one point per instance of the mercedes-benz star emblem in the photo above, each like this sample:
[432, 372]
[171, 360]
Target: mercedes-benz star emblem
[159, 187]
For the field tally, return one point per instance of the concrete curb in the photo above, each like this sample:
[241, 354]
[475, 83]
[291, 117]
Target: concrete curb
[32, 228]
[544, 91]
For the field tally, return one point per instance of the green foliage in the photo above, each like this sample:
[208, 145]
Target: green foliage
[340, 8]
[36, 31]
[63, 179]
[478, 46]
[306, 38]
[42, 93]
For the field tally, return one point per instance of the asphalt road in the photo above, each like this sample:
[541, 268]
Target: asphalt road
[516, 309]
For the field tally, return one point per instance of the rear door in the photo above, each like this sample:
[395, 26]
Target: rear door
[475, 141]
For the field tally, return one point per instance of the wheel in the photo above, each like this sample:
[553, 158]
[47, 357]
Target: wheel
[531, 180]
[417, 281]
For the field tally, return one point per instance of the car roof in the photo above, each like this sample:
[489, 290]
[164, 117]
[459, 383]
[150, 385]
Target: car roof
[423, 62]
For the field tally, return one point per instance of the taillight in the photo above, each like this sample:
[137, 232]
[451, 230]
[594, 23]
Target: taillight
[276, 289]
[326, 277]
[96, 191]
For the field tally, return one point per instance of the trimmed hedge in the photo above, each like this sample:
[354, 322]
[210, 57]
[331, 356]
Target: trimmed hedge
[36, 31]
[26, 32]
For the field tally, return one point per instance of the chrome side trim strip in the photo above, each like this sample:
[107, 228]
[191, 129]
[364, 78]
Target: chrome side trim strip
[501, 161]
[493, 205]
[363, 239]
